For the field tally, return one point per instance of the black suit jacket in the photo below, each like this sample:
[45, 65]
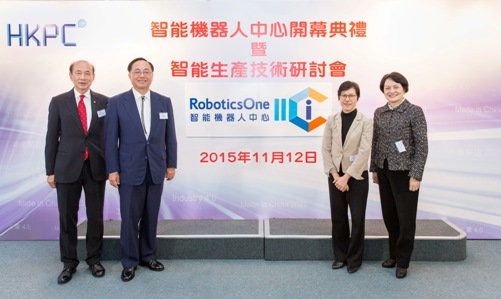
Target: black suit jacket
[65, 141]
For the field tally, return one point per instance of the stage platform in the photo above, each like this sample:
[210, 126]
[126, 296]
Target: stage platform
[280, 239]
[192, 239]
[310, 239]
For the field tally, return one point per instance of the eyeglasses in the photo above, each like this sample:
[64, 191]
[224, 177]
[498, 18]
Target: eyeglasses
[143, 72]
[348, 96]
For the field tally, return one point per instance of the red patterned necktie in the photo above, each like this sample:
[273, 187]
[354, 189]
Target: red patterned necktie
[82, 112]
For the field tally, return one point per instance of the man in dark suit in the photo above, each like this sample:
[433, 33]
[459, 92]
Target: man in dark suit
[141, 150]
[74, 158]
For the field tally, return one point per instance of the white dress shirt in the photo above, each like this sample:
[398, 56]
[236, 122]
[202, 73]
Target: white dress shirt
[147, 109]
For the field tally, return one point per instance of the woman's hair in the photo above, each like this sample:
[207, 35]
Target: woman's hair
[397, 77]
[348, 85]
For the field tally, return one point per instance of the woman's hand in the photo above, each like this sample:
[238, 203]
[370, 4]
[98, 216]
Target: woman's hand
[414, 184]
[342, 183]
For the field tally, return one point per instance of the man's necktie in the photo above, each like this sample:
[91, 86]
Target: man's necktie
[142, 116]
[82, 112]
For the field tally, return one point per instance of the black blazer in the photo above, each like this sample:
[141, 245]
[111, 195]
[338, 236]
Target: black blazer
[65, 141]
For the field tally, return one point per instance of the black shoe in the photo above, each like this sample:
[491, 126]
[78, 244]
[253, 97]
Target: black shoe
[389, 263]
[97, 269]
[66, 274]
[153, 265]
[337, 265]
[401, 272]
[352, 269]
[128, 273]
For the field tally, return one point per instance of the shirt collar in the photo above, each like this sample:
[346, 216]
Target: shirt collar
[400, 108]
[352, 113]
[77, 95]
[401, 102]
[138, 96]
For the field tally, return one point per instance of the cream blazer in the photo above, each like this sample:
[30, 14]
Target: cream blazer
[353, 156]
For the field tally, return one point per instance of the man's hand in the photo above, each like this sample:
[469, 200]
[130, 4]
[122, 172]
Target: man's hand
[170, 173]
[51, 180]
[114, 179]
[375, 179]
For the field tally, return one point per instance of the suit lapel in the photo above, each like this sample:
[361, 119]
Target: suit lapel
[130, 106]
[71, 107]
[93, 105]
[337, 128]
[353, 127]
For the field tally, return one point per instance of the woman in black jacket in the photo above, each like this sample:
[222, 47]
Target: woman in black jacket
[399, 152]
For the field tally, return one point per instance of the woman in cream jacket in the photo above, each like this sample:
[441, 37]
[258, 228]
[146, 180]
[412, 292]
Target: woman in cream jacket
[346, 150]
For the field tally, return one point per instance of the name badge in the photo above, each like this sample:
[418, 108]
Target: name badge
[164, 115]
[353, 158]
[400, 146]
[101, 113]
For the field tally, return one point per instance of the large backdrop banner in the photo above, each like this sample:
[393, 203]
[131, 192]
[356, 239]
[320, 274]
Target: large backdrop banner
[252, 83]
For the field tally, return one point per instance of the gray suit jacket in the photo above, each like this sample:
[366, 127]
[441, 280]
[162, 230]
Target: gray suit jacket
[352, 157]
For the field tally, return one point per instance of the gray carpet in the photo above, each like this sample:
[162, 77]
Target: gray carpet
[29, 270]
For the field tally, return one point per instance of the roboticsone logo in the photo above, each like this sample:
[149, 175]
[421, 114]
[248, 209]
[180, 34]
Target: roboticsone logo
[36, 35]
[283, 109]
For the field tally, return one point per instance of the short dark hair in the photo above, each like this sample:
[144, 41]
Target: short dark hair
[74, 62]
[348, 85]
[129, 67]
[397, 77]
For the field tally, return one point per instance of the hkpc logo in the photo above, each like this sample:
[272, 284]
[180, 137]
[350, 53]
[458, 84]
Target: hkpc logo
[301, 109]
[37, 35]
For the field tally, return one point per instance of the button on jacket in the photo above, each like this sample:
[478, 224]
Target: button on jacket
[405, 123]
